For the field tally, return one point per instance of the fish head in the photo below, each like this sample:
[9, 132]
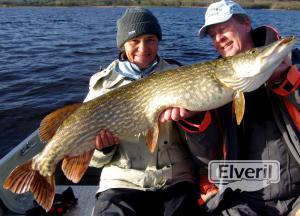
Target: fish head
[254, 67]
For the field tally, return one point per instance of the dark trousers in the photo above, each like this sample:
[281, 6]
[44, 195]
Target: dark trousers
[236, 204]
[176, 200]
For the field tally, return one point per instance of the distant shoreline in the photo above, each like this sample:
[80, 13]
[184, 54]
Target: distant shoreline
[122, 6]
[264, 4]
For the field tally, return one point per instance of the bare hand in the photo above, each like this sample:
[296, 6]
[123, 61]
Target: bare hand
[105, 139]
[208, 195]
[279, 73]
[175, 114]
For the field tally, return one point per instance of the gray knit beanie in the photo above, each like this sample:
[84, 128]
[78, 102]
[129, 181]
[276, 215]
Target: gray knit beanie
[135, 22]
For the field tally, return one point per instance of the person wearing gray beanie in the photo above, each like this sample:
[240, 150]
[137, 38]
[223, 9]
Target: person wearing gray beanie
[136, 21]
[134, 181]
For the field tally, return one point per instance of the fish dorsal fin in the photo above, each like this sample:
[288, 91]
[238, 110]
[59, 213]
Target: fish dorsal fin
[75, 167]
[238, 106]
[152, 137]
[52, 121]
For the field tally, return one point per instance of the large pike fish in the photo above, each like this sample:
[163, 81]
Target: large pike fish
[134, 108]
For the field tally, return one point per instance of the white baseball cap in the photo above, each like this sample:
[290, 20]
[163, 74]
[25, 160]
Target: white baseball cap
[219, 12]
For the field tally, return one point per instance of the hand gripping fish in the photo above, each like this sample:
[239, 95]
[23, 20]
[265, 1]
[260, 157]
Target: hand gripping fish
[134, 108]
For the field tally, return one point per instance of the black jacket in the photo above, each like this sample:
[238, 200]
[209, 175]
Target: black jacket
[266, 133]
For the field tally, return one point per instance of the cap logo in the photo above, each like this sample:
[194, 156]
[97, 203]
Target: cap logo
[131, 32]
[214, 11]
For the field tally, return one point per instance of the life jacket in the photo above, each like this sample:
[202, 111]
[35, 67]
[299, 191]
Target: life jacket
[265, 35]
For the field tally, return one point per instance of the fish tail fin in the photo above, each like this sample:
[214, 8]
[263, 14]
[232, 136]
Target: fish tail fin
[75, 167]
[20, 179]
[23, 179]
[43, 190]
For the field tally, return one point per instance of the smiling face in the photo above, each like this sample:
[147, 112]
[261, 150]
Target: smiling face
[231, 37]
[142, 50]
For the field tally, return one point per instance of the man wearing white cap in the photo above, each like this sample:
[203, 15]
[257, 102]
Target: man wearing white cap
[219, 15]
[271, 123]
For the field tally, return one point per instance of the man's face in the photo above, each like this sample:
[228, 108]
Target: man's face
[231, 37]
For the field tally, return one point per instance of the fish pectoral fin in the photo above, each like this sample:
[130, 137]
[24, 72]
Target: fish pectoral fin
[75, 167]
[23, 179]
[238, 106]
[152, 137]
[52, 121]
[43, 190]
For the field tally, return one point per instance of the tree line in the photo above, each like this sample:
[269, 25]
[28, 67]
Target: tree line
[267, 4]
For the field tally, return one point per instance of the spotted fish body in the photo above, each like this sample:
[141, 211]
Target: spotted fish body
[135, 108]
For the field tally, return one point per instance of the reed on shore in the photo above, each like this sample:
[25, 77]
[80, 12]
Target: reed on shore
[263, 4]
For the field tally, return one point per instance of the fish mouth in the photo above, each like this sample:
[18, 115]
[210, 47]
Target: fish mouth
[280, 47]
[278, 51]
[288, 40]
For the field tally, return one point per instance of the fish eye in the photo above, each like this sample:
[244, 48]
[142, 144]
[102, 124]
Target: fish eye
[252, 51]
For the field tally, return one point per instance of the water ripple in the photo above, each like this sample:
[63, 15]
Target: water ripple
[48, 55]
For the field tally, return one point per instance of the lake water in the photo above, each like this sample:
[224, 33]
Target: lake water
[47, 55]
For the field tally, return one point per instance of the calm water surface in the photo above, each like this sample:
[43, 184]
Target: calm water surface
[48, 54]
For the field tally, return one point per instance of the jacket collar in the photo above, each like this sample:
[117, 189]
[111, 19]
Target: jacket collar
[132, 71]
